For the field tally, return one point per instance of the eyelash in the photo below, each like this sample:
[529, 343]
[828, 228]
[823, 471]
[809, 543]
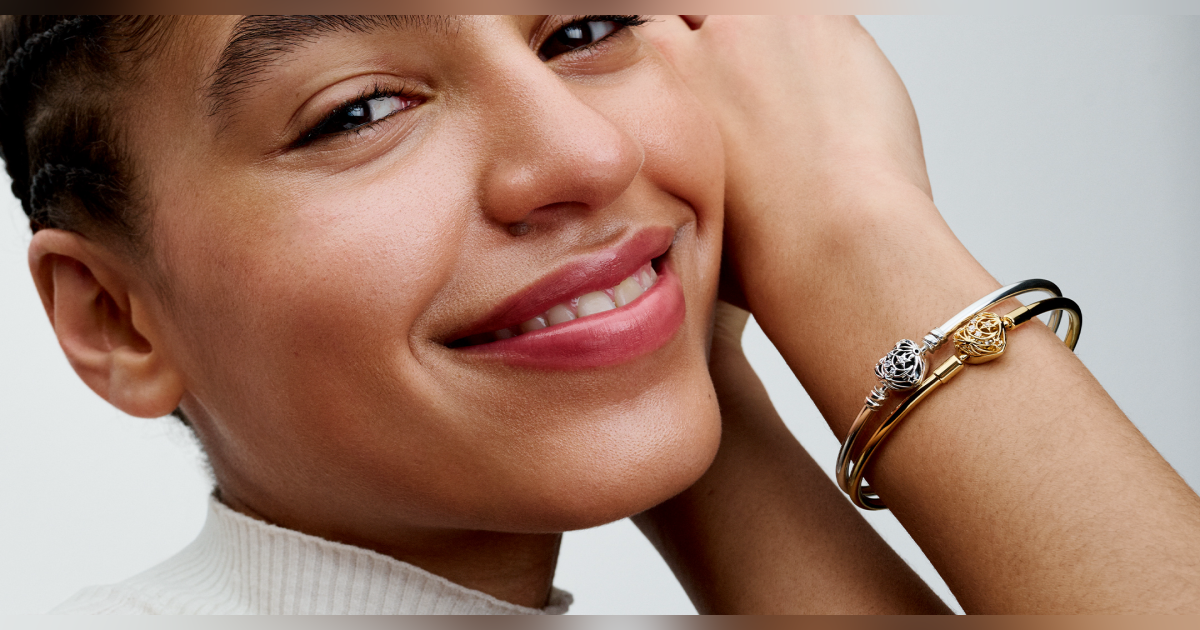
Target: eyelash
[626, 21]
[623, 22]
[377, 91]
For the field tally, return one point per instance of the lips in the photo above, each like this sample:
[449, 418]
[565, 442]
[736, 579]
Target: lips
[599, 310]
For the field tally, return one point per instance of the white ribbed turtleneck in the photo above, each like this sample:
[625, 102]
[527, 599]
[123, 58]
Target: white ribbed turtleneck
[240, 565]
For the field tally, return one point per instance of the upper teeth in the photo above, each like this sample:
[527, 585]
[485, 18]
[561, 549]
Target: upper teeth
[627, 291]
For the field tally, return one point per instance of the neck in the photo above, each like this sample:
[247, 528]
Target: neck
[517, 568]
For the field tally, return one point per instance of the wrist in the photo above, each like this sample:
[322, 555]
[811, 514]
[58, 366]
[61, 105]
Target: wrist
[836, 290]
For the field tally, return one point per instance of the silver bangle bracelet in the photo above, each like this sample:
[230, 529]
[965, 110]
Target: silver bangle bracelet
[982, 339]
[904, 367]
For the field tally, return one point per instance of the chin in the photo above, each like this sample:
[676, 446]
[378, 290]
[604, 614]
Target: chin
[590, 446]
[618, 464]
[632, 488]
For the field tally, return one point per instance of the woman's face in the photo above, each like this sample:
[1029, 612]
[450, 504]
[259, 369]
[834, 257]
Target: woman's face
[347, 212]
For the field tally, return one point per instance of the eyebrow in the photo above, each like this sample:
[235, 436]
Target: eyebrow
[259, 41]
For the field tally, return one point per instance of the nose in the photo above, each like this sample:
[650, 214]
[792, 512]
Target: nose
[551, 150]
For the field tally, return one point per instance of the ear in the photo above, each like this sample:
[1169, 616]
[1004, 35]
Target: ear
[100, 308]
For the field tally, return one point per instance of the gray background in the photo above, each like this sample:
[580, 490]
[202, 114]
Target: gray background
[1062, 148]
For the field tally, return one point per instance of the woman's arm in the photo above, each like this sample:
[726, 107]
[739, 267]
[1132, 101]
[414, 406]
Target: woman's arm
[765, 531]
[1022, 481]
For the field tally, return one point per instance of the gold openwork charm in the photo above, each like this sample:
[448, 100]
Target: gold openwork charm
[981, 339]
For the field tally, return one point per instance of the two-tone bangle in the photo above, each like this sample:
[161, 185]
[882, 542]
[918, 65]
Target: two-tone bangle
[982, 339]
[905, 365]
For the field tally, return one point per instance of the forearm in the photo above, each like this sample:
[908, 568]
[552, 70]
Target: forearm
[765, 531]
[1023, 482]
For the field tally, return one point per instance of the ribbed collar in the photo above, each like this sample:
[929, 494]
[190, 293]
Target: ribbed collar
[240, 565]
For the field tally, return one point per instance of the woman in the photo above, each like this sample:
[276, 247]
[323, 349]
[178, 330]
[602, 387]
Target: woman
[371, 261]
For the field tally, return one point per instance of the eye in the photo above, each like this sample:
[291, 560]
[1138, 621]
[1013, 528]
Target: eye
[361, 112]
[584, 32]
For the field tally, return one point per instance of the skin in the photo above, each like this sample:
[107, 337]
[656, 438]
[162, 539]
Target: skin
[310, 366]
[764, 531]
[1022, 481]
[309, 291]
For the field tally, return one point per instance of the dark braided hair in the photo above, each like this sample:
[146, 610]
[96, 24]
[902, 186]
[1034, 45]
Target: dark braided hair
[60, 89]
[16, 85]
[52, 180]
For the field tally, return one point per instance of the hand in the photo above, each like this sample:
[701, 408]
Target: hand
[826, 193]
[797, 98]
[832, 231]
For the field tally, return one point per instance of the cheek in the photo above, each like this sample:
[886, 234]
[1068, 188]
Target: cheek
[681, 141]
[688, 157]
[684, 157]
[312, 290]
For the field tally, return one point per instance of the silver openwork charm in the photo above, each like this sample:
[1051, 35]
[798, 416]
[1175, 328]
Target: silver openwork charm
[903, 367]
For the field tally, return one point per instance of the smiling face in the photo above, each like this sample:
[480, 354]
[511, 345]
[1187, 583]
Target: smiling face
[352, 232]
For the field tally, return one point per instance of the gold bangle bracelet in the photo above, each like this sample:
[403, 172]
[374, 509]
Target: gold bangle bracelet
[982, 339]
[903, 368]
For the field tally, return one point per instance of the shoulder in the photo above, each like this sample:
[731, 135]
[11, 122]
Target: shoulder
[198, 579]
[179, 586]
[238, 565]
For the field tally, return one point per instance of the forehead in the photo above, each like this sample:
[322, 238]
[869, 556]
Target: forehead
[256, 42]
[219, 58]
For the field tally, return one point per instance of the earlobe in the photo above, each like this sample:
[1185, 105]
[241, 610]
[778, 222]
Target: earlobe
[101, 324]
